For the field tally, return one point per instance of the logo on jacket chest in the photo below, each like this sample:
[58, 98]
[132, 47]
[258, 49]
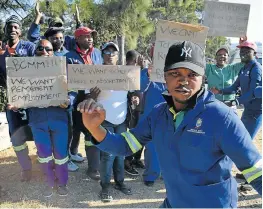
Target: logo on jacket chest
[197, 129]
[245, 73]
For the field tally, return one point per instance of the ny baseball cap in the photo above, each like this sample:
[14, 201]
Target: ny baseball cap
[185, 55]
[106, 45]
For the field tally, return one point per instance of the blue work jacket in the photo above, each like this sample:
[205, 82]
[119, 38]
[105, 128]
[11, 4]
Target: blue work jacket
[196, 154]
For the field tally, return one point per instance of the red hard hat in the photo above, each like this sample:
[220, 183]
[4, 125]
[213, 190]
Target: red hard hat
[84, 31]
[249, 44]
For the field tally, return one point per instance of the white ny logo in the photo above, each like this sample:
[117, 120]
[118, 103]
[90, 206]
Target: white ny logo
[187, 52]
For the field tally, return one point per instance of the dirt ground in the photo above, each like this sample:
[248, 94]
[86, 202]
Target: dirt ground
[84, 191]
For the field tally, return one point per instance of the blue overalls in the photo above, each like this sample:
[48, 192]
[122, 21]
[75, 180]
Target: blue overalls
[195, 152]
[152, 95]
[50, 130]
[50, 127]
[19, 130]
[92, 152]
[249, 78]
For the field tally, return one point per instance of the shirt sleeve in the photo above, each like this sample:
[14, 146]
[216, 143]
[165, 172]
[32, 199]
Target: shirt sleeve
[255, 81]
[237, 144]
[237, 67]
[207, 69]
[145, 81]
[128, 142]
[31, 51]
[33, 34]
[232, 89]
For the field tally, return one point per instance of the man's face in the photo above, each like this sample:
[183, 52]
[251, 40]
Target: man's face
[57, 41]
[246, 54]
[110, 56]
[13, 31]
[85, 41]
[221, 57]
[182, 83]
[44, 49]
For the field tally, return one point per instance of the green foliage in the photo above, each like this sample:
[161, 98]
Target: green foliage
[213, 43]
[133, 19]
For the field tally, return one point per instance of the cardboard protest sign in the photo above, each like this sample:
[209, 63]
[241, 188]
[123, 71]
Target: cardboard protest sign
[106, 77]
[169, 33]
[36, 81]
[226, 19]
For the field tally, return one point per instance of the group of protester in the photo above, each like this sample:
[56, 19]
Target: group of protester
[190, 135]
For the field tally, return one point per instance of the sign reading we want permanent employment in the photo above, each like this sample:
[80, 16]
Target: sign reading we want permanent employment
[106, 77]
[226, 19]
[169, 33]
[36, 81]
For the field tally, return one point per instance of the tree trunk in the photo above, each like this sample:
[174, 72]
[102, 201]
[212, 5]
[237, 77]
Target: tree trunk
[121, 43]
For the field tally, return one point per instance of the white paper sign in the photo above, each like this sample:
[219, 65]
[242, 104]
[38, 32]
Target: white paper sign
[106, 77]
[169, 33]
[36, 81]
[226, 19]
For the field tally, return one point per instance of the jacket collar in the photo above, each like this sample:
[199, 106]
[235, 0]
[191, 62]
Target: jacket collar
[251, 62]
[197, 104]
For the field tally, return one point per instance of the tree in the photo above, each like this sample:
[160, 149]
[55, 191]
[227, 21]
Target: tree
[123, 21]
[213, 43]
[14, 6]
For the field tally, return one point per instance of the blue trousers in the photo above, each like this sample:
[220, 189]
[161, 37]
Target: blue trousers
[252, 121]
[20, 132]
[165, 204]
[92, 152]
[152, 169]
[51, 138]
[111, 162]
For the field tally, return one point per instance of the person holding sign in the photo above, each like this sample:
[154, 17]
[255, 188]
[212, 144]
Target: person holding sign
[49, 127]
[56, 37]
[116, 103]
[84, 53]
[195, 152]
[17, 121]
[222, 74]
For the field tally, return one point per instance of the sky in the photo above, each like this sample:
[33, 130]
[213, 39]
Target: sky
[255, 26]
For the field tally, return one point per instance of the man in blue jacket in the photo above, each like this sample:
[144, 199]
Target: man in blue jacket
[18, 124]
[249, 78]
[196, 137]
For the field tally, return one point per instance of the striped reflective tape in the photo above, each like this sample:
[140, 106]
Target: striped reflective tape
[172, 111]
[253, 172]
[45, 160]
[88, 143]
[21, 147]
[61, 161]
[133, 143]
